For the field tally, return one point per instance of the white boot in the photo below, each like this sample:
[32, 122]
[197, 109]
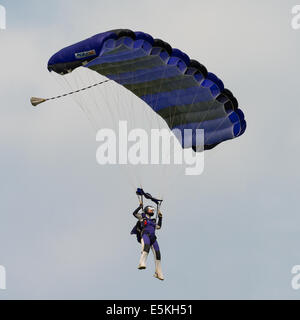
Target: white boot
[158, 272]
[143, 261]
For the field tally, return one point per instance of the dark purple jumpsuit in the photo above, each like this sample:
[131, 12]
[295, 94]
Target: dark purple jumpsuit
[149, 226]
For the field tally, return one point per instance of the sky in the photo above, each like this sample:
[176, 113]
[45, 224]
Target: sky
[231, 233]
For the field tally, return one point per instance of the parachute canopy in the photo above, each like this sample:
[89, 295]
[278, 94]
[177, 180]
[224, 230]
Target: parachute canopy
[177, 88]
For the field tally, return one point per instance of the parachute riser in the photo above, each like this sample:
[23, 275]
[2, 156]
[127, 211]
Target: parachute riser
[140, 193]
[141, 199]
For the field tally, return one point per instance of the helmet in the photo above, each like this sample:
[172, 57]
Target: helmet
[149, 210]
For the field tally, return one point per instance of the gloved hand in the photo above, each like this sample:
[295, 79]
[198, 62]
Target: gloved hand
[160, 215]
[141, 205]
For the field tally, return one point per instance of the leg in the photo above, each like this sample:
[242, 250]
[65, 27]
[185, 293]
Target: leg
[157, 257]
[145, 251]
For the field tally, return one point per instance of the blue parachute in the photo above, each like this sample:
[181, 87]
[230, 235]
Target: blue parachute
[177, 88]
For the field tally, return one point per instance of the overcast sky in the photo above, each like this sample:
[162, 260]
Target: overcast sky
[232, 232]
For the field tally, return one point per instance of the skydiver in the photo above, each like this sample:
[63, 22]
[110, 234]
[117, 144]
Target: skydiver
[145, 231]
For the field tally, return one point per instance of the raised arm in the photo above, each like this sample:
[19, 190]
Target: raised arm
[137, 214]
[159, 224]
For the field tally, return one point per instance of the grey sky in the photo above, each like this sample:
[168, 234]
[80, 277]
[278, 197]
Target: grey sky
[233, 232]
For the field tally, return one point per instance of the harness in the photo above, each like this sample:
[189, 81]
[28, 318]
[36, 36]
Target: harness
[147, 222]
[139, 229]
[141, 194]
